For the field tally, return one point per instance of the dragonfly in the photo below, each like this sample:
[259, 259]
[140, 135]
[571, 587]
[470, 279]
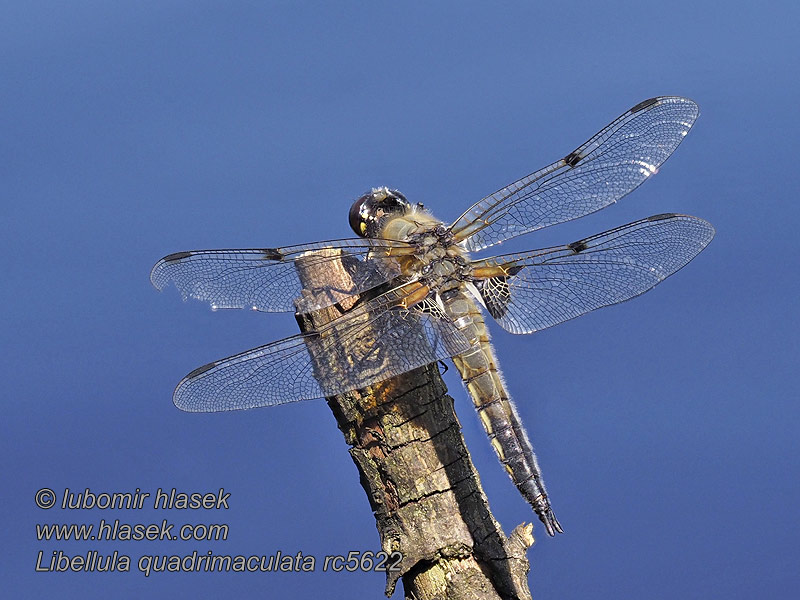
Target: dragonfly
[416, 296]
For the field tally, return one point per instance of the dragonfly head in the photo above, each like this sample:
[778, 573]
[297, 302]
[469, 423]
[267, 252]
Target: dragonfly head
[369, 212]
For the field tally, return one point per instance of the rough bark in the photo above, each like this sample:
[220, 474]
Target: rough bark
[424, 491]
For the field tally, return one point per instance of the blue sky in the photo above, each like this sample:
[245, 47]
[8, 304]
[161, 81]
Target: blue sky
[666, 427]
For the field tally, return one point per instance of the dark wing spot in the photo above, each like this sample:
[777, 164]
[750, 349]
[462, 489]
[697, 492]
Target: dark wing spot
[578, 246]
[573, 158]
[514, 270]
[644, 104]
[496, 295]
[176, 257]
[661, 217]
[201, 370]
[272, 254]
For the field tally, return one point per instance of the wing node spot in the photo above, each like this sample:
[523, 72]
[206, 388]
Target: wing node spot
[573, 158]
[578, 247]
[272, 254]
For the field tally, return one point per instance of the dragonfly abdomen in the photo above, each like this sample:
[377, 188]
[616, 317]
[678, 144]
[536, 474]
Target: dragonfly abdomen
[498, 415]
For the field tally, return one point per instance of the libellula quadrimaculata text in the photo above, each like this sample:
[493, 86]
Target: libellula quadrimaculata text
[417, 293]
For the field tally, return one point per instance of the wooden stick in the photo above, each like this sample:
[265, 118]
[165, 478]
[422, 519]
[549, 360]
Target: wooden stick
[406, 443]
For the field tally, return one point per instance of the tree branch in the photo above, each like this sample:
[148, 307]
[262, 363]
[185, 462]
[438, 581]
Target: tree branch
[421, 484]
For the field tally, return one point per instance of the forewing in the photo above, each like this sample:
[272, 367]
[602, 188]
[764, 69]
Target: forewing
[266, 279]
[545, 287]
[604, 169]
[370, 344]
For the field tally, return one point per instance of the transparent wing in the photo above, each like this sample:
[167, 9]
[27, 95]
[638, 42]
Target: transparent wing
[545, 287]
[367, 345]
[266, 279]
[601, 171]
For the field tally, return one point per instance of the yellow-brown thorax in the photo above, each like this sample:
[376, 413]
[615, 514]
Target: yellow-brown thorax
[439, 263]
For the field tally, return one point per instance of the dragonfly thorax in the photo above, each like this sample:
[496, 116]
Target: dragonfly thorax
[438, 258]
[387, 214]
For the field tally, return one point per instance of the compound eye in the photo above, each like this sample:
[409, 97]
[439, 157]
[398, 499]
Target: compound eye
[359, 214]
[387, 202]
[369, 211]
